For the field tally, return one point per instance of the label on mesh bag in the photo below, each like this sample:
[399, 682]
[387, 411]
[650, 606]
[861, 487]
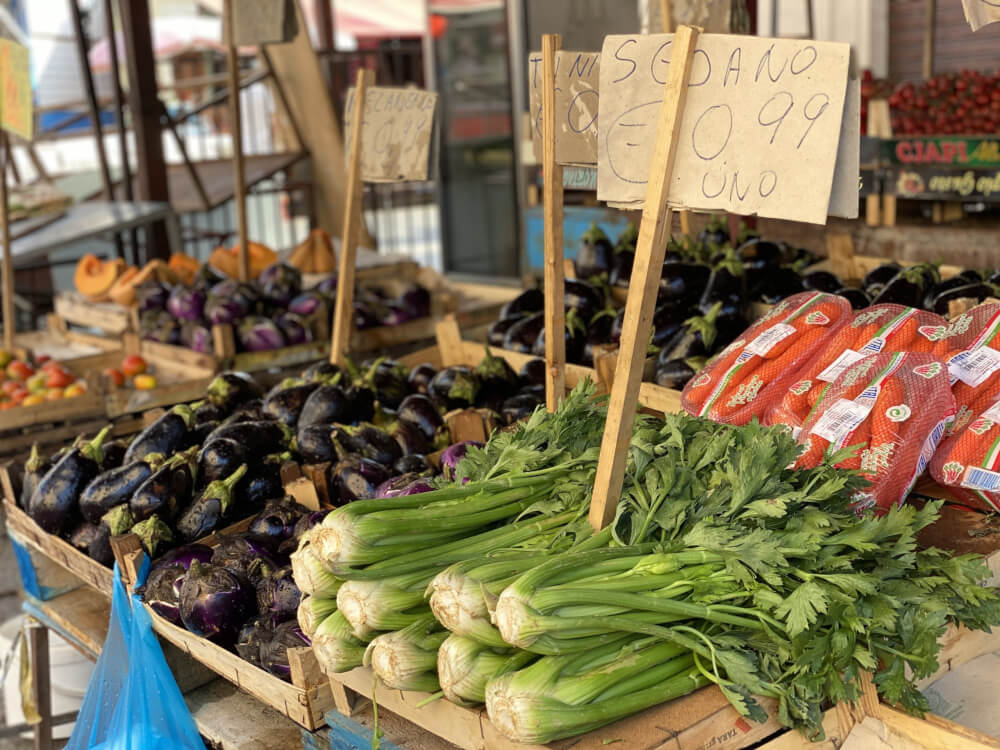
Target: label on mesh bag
[768, 339]
[927, 452]
[974, 366]
[841, 419]
[847, 358]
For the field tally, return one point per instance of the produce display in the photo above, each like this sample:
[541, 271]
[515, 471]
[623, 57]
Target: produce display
[35, 381]
[723, 565]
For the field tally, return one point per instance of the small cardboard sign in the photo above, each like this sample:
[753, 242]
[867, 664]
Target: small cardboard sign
[264, 21]
[759, 133]
[713, 16]
[15, 89]
[577, 77]
[396, 133]
[979, 13]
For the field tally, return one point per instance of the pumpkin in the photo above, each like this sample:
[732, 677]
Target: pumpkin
[226, 259]
[122, 291]
[94, 277]
[184, 266]
[315, 254]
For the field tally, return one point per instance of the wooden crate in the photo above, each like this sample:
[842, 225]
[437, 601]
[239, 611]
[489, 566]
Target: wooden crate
[109, 317]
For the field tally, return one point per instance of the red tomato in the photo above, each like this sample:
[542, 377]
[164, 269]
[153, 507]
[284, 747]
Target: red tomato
[19, 370]
[58, 379]
[115, 376]
[133, 365]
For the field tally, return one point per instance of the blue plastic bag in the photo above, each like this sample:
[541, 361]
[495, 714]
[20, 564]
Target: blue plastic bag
[93, 722]
[150, 712]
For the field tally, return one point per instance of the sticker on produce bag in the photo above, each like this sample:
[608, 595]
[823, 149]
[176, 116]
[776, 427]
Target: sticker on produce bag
[975, 366]
[841, 363]
[767, 340]
[840, 420]
[993, 413]
[981, 479]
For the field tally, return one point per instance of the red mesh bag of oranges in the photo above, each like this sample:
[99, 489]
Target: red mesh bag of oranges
[745, 378]
[894, 408]
[876, 329]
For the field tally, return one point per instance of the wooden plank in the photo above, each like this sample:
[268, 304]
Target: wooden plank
[449, 341]
[840, 252]
[552, 209]
[936, 733]
[81, 614]
[658, 398]
[8, 264]
[89, 404]
[236, 133]
[472, 352]
[73, 307]
[650, 251]
[343, 318]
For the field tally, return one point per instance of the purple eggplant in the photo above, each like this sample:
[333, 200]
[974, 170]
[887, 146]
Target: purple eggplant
[497, 380]
[204, 514]
[280, 283]
[322, 371]
[594, 253]
[520, 406]
[152, 295]
[259, 334]
[224, 312]
[162, 590]
[207, 277]
[414, 463]
[308, 521]
[186, 303]
[115, 487]
[245, 557]
[168, 332]
[293, 328]
[857, 297]
[404, 484]
[199, 433]
[206, 411]
[306, 303]
[821, 281]
[231, 388]
[410, 438]
[196, 337]
[415, 301]
[326, 404]
[355, 478]
[327, 286]
[165, 435]
[624, 257]
[185, 555]
[113, 454]
[54, 501]
[252, 637]
[776, 285]
[314, 443]
[258, 438]
[388, 379]
[274, 650]
[583, 297]
[533, 372]
[362, 401]
[219, 458]
[93, 540]
[521, 336]
[526, 303]
[214, 603]
[262, 483]
[497, 331]
[276, 522]
[455, 387]
[375, 444]
[419, 410]
[286, 405]
[453, 454]
[278, 593]
[153, 534]
[675, 373]
[168, 489]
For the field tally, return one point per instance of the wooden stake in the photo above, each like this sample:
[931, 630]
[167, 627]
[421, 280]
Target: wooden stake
[650, 248]
[343, 317]
[931, 13]
[8, 262]
[667, 21]
[552, 197]
[236, 128]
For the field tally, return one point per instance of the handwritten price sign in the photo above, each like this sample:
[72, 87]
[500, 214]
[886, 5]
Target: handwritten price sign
[981, 12]
[577, 79]
[396, 134]
[15, 89]
[759, 133]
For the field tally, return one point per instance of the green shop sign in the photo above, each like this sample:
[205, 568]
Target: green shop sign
[943, 151]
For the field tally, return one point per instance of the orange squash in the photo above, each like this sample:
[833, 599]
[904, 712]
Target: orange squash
[184, 266]
[94, 277]
[315, 254]
[226, 259]
[122, 291]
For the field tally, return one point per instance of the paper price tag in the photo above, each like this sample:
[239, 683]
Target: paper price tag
[847, 358]
[577, 77]
[766, 340]
[981, 12]
[397, 135]
[15, 89]
[975, 366]
[840, 420]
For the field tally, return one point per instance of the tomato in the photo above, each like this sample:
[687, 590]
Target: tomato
[33, 400]
[4, 405]
[18, 370]
[36, 382]
[50, 364]
[54, 394]
[144, 382]
[77, 389]
[117, 377]
[133, 365]
[9, 386]
[58, 379]
[41, 359]
[19, 395]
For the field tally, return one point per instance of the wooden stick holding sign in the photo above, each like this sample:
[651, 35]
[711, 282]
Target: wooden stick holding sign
[650, 249]
[552, 177]
[667, 21]
[236, 130]
[343, 318]
[8, 262]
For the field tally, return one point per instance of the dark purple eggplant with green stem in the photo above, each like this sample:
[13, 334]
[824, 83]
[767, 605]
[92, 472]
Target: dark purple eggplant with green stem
[214, 603]
[53, 504]
[204, 514]
[153, 534]
[117, 486]
[165, 436]
[168, 489]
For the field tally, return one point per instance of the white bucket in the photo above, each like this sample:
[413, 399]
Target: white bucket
[70, 673]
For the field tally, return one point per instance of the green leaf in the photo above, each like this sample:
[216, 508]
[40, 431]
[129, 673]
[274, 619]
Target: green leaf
[801, 608]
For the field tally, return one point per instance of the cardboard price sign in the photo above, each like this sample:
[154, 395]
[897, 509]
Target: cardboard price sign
[15, 89]
[577, 77]
[981, 12]
[759, 133]
[396, 133]
[263, 21]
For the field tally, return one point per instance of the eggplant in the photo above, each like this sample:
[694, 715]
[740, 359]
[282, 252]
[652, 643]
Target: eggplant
[252, 637]
[323, 371]
[306, 303]
[453, 455]
[682, 282]
[34, 469]
[715, 232]
[54, 501]
[667, 321]
[905, 288]
[521, 336]
[624, 257]
[308, 521]
[258, 439]
[971, 274]
[249, 411]
[362, 401]
[821, 281]
[695, 339]
[168, 489]
[259, 334]
[575, 333]
[224, 312]
[186, 303]
[230, 389]
[582, 297]
[276, 522]
[326, 404]
[285, 405]
[93, 540]
[455, 387]
[113, 454]
[214, 603]
[152, 296]
[184, 555]
[881, 275]
[857, 297]
[519, 407]
[413, 463]
[116, 487]
[162, 590]
[197, 337]
[206, 411]
[594, 253]
[388, 379]
[278, 593]
[219, 458]
[198, 434]
[355, 478]
[410, 438]
[978, 291]
[497, 379]
[207, 277]
[675, 373]
[153, 534]
[247, 558]
[274, 650]
[280, 283]
[533, 372]
[293, 328]
[314, 443]
[758, 255]
[372, 443]
[953, 283]
[164, 436]
[204, 514]
[528, 302]
[404, 484]
[420, 377]
[497, 331]
[777, 284]
[262, 484]
[415, 301]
